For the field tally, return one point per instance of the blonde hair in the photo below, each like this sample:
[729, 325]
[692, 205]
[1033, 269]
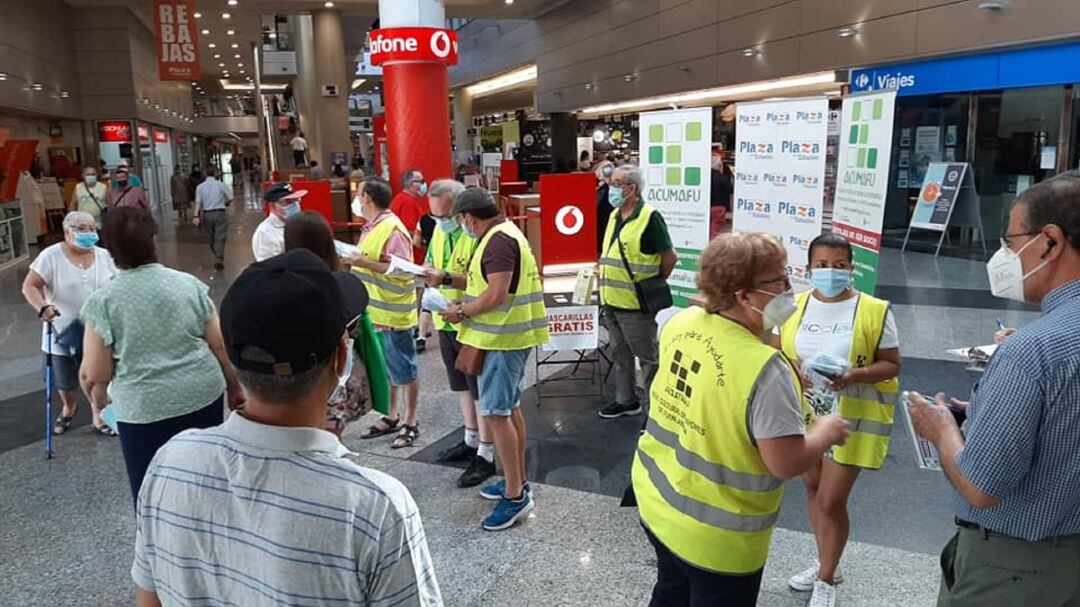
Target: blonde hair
[732, 261]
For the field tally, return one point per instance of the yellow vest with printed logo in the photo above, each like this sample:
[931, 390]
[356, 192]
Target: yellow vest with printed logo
[701, 485]
[457, 262]
[616, 286]
[867, 407]
[392, 298]
[521, 321]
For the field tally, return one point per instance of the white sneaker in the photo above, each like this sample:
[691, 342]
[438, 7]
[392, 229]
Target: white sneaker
[804, 581]
[824, 595]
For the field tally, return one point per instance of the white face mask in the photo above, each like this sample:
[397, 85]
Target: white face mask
[343, 379]
[778, 310]
[1006, 272]
[357, 208]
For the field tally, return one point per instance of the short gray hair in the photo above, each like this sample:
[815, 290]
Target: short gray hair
[278, 389]
[75, 217]
[446, 187]
[633, 175]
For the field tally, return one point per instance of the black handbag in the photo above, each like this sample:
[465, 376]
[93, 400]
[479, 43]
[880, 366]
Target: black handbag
[653, 294]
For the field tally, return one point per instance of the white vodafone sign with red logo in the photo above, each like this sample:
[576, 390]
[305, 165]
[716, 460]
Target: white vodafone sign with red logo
[404, 44]
[568, 220]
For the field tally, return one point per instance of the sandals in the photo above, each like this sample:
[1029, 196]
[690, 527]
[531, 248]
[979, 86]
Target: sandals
[62, 424]
[375, 430]
[406, 436]
[103, 430]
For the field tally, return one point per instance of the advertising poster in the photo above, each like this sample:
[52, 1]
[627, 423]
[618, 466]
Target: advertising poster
[573, 328]
[177, 39]
[676, 158]
[938, 196]
[567, 218]
[927, 149]
[865, 151]
[780, 174]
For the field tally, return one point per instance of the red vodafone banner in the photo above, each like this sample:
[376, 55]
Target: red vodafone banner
[144, 132]
[118, 131]
[161, 135]
[429, 44]
[177, 38]
[568, 218]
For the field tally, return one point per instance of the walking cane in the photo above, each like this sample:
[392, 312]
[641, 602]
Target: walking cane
[48, 392]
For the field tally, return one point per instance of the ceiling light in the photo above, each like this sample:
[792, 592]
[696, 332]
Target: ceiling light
[509, 2]
[588, 86]
[198, 15]
[211, 45]
[228, 86]
[357, 83]
[716, 94]
[37, 86]
[65, 94]
[217, 55]
[205, 32]
[233, 3]
[629, 77]
[236, 56]
[504, 81]
[226, 16]
[221, 65]
[993, 5]
[230, 32]
[848, 32]
[242, 72]
[750, 52]
[238, 64]
[3, 76]
[328, 4]
[235, 45]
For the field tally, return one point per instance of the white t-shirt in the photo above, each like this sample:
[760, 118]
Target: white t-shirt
[827, 327]
[67, 286]
[269, 238]
[298, 143]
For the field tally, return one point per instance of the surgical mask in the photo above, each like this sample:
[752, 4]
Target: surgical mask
[343, 379]
[1006, 272]
[830, 282]
[447, 224]
[780, 308]
[468, 231]
[293, 208]
[122, 184]
[615, 197]
[90, 180]
[357, 207]
[607, 171]
[423, 188]
[85, 240]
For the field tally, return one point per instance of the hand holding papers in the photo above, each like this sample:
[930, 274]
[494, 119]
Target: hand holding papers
[401, 266]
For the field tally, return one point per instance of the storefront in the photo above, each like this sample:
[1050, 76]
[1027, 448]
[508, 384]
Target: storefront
[155, 159]
[1011, 114]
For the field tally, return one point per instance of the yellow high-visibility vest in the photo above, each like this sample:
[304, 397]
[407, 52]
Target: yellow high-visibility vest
[868, 408]
[616, 286]
[456, 263]
[521, 322]
[701, 485]
[392, 298]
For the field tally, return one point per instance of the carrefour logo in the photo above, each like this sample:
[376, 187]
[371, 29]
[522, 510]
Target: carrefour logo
[801, 149]
[807, 181]
[750, 119]
[747, 178]
[810, 117]
[761, 151]
[862, 80]
[758, 209]
[883, 81]
[778, 117]
[797, 212]
[776, 179]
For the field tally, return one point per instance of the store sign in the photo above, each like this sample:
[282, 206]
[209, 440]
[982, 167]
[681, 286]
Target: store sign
[161, 135]
[862, 180]
[780, 174]
[676, 158]
[568, 218]
[573, 328]
[414, 44]
[177, 38]
[115, 131]
[144, 132]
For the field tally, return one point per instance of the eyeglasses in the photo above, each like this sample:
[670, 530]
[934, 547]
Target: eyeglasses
[1005, 237]
[784, 281]
[83, 229]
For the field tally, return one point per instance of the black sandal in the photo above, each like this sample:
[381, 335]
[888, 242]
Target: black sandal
[373, 431]
[103, 430]
[406, 436]
[62, 424]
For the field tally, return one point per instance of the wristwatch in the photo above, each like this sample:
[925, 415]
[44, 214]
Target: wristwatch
[447, 279]
[461, 310]
[41, 310]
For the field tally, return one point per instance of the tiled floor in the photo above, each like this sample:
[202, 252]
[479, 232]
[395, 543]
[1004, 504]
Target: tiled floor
[67, 526]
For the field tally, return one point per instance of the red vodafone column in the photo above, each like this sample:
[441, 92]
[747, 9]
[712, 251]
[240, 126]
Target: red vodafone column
[414, 61]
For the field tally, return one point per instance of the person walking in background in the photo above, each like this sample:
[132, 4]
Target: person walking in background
[1015, 467]
[281, 202]
[299, 148]
[317, 173]
[181, 193]
[603, 207]
[726, 427]
[126, 193]
[411, 206]
[212, 199]
[448, 256]
[60, 280]
[132, 178]
[502, 317]
[837, 321]
[636, 247]
[721, 188]
[393, 307]
[153, 322]
[90, 195]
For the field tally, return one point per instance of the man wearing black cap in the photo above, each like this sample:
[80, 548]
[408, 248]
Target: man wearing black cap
[282, 202]
[267, 507]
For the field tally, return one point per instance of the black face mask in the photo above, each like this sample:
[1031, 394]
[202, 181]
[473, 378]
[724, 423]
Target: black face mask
[121, 184]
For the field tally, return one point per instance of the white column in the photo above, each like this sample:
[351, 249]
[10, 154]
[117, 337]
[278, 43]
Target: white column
[411, 13]
[463, 115]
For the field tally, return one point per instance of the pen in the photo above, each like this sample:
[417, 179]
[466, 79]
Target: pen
[1001, 325]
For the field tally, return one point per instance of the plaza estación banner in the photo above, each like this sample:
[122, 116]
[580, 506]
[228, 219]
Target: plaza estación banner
[780, 174]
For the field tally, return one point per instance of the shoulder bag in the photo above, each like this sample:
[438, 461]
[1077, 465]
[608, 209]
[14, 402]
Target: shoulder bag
[653, 294]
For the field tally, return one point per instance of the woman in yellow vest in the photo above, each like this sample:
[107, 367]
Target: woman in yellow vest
[836, 320]
[726, 425]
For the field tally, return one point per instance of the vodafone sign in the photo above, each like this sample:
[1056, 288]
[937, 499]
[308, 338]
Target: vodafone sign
[116, 131]
[568, 218]
[402, 44]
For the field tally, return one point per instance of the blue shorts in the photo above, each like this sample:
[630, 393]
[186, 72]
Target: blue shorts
[400, 350]
[500, 381]
[65, 371]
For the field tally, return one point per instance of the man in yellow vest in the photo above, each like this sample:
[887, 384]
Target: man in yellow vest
[636, 246]
[448, 255]
[503, 315]
[727, 425]
[392, 306]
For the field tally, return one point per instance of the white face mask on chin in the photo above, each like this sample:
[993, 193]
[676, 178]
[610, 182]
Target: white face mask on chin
[1006, 272]
[780, 308]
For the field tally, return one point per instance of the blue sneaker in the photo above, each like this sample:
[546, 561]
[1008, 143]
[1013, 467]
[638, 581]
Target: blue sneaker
[495, 491]
[508, 511]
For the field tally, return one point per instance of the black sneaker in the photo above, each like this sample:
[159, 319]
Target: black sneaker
[458, 453]
[479, 470]
[421, 345]
[615, 410]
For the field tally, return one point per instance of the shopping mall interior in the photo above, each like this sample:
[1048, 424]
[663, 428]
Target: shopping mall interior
[907, 126]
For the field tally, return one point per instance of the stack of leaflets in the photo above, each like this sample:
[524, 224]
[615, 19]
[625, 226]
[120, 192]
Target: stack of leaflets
[926, 454]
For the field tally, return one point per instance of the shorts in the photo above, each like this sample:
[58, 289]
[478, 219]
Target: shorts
[459, 382]
[500, 381]
[65, 371]
[400, 352]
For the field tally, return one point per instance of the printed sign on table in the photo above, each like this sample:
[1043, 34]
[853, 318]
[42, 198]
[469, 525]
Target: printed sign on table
[178, 40]
[573, 328]
[676, 158]
[780, 174]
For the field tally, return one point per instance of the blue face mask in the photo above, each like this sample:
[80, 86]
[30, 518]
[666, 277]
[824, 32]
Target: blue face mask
[447, 224]
[615, 197]
[830, 282]
[468, 231]
[607, 171]
[86, 240]
[291, 209]
[423, 188]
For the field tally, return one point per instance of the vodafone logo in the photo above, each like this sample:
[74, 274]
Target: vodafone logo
[441, 44]
[401, 44]
[576, 216]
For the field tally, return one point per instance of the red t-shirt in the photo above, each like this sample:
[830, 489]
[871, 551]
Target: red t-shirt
[409, 210]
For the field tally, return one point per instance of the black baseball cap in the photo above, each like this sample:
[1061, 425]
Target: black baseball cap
[282, 191]
[472, 199]
[287, 314]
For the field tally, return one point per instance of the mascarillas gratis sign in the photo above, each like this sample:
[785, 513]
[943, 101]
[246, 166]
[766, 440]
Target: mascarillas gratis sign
[428, 44]
[177, 38]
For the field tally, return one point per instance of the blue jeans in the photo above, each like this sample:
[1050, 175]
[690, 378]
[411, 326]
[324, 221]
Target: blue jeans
[500, 381]
[400, 352]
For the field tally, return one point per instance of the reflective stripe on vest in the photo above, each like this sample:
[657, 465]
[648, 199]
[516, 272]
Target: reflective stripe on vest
[616, 286]
[392, 298]
[717, 473]
[521, 322]
[458, 264]
[868, 408]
